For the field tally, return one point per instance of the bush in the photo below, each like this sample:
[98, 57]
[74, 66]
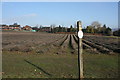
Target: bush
[116, 33]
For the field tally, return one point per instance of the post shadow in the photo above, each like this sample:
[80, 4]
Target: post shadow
[38, 68]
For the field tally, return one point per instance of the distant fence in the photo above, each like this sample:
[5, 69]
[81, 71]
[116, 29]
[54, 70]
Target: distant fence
[65, 32]
[76, 33]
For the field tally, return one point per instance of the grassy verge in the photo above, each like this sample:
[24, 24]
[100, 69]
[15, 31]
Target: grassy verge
[23, 65]
[100, 66]
[40, 66]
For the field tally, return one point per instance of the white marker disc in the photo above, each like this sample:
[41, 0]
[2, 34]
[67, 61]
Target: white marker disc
[80, 34]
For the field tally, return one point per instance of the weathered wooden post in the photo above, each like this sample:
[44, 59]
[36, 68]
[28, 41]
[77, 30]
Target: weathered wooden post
[80, 49]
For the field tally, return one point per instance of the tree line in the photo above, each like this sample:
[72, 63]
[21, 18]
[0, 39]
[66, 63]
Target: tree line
[99, 30]
[94, 28]
[63, 29]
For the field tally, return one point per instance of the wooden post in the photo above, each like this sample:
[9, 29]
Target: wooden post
[80, 49]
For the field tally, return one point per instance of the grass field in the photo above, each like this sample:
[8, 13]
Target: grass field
[43, 55]
[27, 65]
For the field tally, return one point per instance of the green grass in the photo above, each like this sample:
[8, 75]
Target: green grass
[22, 65]
[112, 36]
[101, 65]
[52, 66]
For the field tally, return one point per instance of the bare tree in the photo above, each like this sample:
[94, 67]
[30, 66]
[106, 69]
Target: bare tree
[52, 26]
[96, 24]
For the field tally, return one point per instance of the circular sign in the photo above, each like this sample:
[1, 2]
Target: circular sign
[80, 34]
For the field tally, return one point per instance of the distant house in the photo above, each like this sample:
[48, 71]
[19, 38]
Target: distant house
[4, 27]
[15, 26]
[28, 28]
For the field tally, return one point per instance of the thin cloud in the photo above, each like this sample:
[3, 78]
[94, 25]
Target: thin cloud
[30, 15]
[18, 18]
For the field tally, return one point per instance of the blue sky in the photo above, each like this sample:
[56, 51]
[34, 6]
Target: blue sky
[60, 13]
